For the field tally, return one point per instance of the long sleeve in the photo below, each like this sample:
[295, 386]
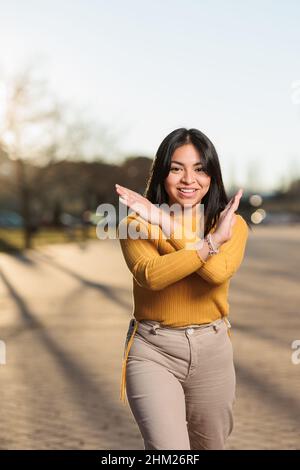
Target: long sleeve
[151, 269]
[220, 267]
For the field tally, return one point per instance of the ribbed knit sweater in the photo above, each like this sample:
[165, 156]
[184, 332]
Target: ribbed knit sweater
[172, 284]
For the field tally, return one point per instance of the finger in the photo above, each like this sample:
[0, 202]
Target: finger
[227, 207]
[230, 202]
[238, 195]
[132, 195]
[123, 195]
[230, 209]
[118, 186]
[135, 195]
[235, 205]
[123, 200]
[120, 190]
[123, 190]
[236, 198]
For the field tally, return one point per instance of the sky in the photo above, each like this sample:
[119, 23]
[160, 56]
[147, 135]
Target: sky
[144, 68]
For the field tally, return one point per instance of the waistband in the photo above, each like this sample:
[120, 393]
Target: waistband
[157, 325]
[134, 323]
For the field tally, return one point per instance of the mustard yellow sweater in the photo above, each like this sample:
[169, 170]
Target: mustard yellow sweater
[172, 284]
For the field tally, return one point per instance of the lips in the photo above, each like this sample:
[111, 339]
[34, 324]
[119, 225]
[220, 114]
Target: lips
[187, 192]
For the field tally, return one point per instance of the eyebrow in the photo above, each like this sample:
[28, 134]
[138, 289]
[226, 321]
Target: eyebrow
[178, 163]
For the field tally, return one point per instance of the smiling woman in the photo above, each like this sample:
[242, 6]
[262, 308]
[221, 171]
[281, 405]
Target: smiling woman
[178, 356]
[187, 178]
[188, 159]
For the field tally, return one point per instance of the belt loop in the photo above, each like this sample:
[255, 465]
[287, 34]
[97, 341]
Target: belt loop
[154, 328]
[216, 328]
[228, 324]
[225, 319]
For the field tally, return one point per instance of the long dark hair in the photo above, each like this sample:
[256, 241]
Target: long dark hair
[215, 199]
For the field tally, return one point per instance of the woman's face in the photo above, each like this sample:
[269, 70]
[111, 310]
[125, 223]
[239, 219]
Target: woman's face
[186, 173]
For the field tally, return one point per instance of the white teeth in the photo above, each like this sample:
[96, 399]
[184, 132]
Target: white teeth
[187, 190]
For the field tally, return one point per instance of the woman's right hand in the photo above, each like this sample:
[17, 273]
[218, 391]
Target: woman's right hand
[227, 219]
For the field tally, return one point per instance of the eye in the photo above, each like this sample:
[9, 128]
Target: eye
[201, 170]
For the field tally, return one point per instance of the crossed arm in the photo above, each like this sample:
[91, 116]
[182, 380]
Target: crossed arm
[155, 271]
[220, 267]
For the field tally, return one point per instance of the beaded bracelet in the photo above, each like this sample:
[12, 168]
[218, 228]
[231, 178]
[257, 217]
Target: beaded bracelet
[212, 250]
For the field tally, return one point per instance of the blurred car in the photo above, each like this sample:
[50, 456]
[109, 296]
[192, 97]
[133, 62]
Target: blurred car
[10, 219]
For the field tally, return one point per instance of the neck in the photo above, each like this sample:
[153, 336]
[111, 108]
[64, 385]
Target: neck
[187, 211]
[189, 216]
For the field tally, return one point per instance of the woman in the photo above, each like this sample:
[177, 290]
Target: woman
[178, 358]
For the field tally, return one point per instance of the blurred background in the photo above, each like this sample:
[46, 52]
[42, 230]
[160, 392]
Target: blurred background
[88, 90]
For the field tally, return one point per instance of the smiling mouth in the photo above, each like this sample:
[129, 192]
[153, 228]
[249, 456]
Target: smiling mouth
[187, 191]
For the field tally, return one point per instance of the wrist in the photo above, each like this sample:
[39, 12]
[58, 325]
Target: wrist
[217, 242]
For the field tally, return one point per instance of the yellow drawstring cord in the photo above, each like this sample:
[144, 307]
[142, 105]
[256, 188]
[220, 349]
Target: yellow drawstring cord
[126, 352]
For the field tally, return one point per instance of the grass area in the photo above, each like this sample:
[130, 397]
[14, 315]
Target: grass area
[12, 240]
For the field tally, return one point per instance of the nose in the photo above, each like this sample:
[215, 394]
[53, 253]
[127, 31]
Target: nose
[188, 177]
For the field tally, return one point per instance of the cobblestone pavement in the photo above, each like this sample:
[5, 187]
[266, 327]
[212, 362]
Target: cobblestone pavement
[64, 314]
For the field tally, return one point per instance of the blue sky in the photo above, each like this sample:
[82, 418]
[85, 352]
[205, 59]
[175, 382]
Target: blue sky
[144, 68]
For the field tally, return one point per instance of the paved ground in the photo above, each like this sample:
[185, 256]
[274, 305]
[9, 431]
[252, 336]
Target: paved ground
[64, 314]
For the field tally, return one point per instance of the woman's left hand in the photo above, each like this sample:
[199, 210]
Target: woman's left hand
[139, 204]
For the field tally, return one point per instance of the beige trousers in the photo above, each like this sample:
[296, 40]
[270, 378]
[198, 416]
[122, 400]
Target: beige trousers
[180, 384]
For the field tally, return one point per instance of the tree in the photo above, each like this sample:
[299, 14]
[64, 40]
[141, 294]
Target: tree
[36, 132]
